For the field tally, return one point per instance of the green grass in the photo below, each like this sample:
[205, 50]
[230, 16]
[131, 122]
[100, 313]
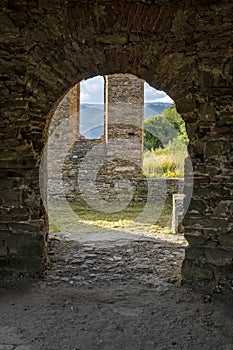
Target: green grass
[86, 219]
[168, 162]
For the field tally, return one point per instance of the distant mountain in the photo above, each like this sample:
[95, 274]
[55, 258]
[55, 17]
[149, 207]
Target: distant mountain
[95, 132]
[91, 105]
[154, 108]
[91, 120]
[92, 117]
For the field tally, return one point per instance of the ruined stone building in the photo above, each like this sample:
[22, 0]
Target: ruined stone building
[183, 48]
[118, 153]
[105, 169]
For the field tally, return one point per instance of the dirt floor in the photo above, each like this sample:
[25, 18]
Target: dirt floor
[119, 292]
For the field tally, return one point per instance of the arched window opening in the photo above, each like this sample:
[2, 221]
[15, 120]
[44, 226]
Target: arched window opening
[127, 146]
[92, 107]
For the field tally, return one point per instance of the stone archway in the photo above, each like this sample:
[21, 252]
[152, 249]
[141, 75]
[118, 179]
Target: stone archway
[182, 48]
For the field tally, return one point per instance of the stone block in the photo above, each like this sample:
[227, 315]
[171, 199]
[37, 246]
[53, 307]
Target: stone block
[177, 213]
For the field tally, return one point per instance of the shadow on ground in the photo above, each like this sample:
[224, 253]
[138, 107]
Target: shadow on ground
[109, 294]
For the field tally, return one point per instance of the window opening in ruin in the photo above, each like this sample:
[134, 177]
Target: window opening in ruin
[165, 137]
[165, 150]
[92, 107]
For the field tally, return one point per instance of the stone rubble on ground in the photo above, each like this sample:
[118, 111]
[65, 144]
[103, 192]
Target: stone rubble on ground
[147, 261]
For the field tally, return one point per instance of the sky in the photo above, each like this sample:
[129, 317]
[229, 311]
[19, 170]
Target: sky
[92, 91]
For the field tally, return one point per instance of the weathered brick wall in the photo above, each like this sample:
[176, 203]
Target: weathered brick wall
[117, 155]
[94, 169]
[124, 121]
[90, 156]
[183, 48]
[59, 136]
[80, 165]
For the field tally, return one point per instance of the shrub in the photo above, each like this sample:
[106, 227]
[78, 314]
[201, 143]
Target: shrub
[163, 163]
[168, 166]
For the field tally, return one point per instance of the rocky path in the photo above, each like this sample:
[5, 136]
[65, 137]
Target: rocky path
[131, 258]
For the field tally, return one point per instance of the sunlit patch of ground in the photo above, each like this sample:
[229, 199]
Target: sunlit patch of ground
[86, 219]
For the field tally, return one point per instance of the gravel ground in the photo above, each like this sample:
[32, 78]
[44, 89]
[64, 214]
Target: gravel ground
[118, 294]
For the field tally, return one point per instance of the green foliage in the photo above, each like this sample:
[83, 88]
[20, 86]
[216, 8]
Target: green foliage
[168, 166]
[158, 132]
[166, 139]
[173, 117]
[167, 162]
[169, 169]
[177, 145]
[183, 137]
[162, 129]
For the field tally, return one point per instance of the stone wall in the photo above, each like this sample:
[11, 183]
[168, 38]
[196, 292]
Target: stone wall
[109, 168]
[61, 134]
[183, 48]
[88, 173]
[115, 156]
[124, 114]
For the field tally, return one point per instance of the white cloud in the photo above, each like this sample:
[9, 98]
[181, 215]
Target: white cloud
[164, 99]
[92, 91]
[153, 95]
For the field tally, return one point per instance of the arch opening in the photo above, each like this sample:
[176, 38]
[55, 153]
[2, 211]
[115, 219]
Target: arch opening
[71, 51]
[149, 208]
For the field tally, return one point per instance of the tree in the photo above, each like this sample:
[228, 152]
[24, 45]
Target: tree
[159, 130]
[173, 117]
[183, 134]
